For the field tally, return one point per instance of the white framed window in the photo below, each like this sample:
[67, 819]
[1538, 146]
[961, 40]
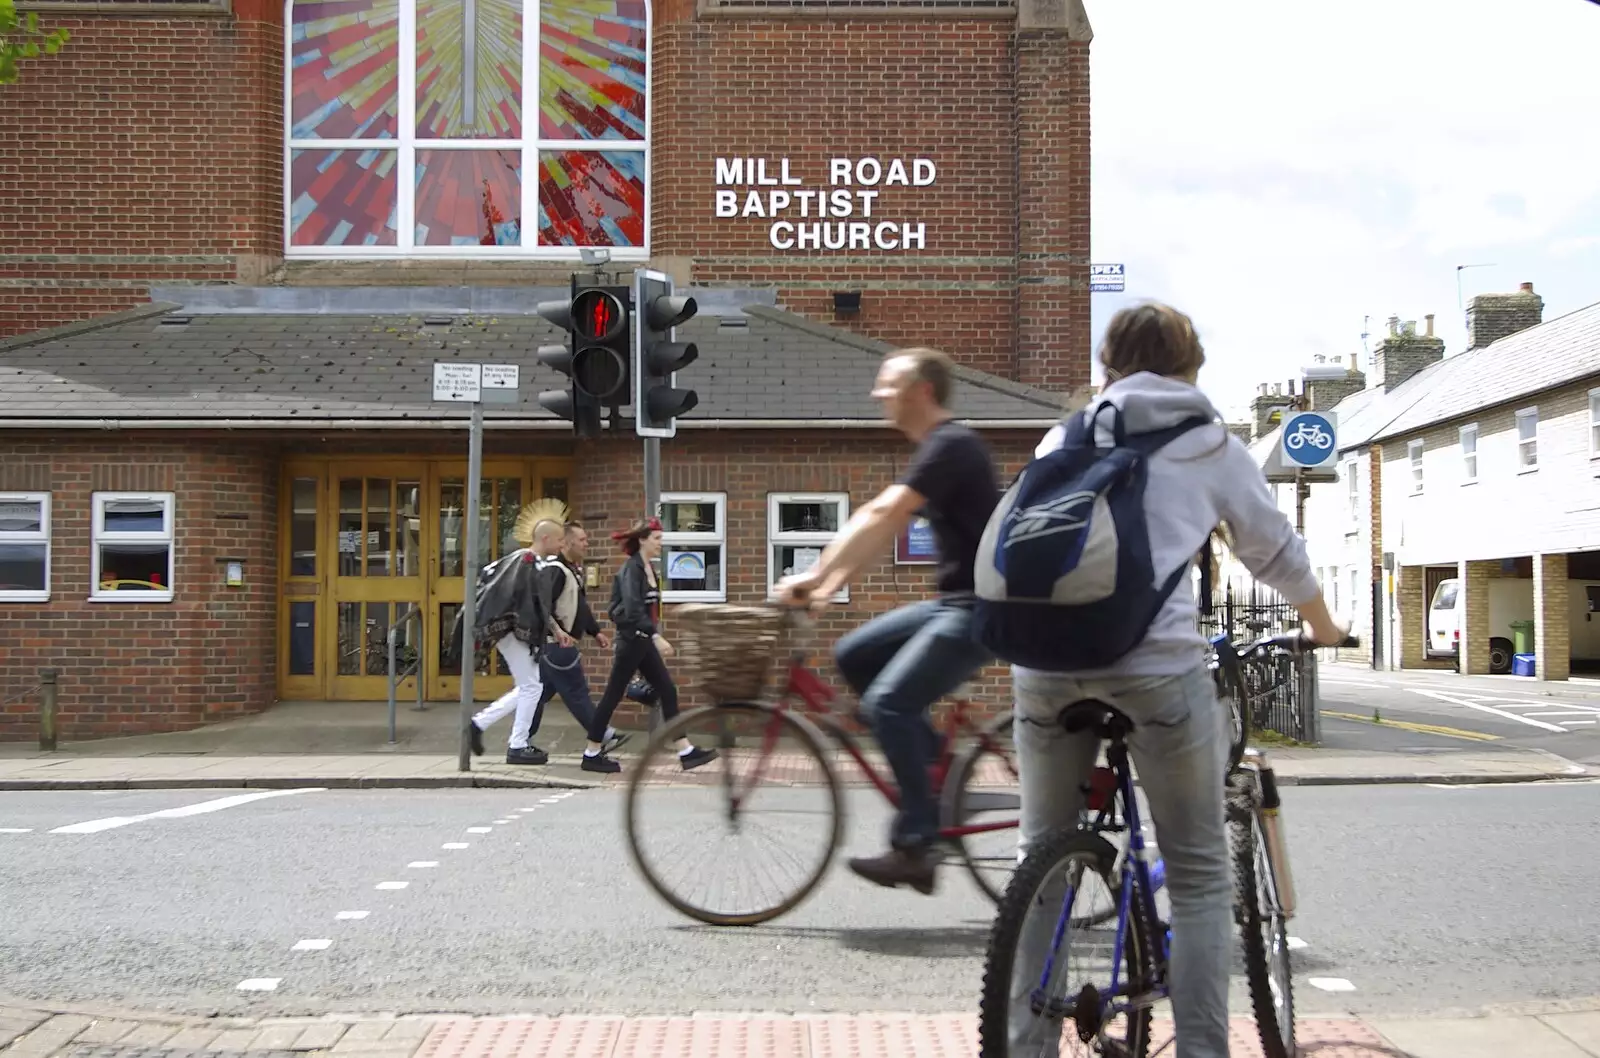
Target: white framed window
[799, 526]
[465, 129]
[24, 546]
[1469, 454]
[131, 552]
[1414, 451]
[1352, 490]
[1594, 424]
[694, 539]
[1527, 439]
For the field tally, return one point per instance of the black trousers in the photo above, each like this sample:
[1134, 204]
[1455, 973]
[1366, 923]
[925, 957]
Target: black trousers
[633, 655]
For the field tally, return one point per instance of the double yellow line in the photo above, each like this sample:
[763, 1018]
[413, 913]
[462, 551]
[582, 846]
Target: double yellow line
[1406, 725]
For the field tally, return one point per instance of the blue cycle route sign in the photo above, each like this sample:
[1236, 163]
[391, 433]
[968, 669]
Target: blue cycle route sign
[1309, 439]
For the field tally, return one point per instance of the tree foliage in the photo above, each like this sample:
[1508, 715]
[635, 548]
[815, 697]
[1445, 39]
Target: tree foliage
[21, 38]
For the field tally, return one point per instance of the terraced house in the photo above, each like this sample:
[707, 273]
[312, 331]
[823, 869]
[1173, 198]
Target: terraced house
[243, 231]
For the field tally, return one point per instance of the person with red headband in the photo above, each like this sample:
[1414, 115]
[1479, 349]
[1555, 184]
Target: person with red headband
[640, 647]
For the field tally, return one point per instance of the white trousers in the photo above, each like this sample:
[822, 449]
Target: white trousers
[523, 697]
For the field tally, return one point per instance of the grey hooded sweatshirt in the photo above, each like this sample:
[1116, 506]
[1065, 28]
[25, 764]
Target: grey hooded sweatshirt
[1205, 477]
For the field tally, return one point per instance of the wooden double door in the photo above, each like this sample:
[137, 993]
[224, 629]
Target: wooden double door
[366, 545]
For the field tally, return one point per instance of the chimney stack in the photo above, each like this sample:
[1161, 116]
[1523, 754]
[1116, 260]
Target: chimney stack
[1491, 317]
[1404, 352]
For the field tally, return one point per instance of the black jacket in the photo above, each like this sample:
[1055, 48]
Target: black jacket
[632, 599]
[514, 597]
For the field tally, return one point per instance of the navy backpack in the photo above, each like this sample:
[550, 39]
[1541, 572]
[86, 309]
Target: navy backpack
[1064, 576]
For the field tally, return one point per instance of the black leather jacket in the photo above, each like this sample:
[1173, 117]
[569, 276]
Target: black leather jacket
[633, 600]
[514, 597]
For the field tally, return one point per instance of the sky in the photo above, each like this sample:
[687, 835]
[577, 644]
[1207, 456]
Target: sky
[1289, 174]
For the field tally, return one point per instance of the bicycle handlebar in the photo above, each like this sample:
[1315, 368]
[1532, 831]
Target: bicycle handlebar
[1296, 642]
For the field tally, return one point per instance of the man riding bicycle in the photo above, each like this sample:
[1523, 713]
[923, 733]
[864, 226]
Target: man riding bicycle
[901, 662]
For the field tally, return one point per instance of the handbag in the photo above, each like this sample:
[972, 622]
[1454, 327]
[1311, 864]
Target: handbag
[641, 691]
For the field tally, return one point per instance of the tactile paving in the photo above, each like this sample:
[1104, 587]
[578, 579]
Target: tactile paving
[807, 1036]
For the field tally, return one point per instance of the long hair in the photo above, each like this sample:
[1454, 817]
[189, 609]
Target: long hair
[631, 536]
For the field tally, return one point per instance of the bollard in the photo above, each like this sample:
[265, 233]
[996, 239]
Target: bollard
[47, 709]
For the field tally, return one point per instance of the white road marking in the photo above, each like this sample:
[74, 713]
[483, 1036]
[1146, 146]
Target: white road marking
[1348, 683]
[1295, 944]
[311, 944]
[392, 885]
[501, 822]
[1571, 722]
[420, 864]
[1510, 785]
[455, 845]
[16, 830]
[1458, 699]
[352, 914]
[258, 984]
[549, 800]
[532, 808]
[1331, 984]
[480, 830]
[1566, 712]
[94, 826]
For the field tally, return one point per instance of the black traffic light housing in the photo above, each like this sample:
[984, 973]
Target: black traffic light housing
[595, 357]
[657, 402]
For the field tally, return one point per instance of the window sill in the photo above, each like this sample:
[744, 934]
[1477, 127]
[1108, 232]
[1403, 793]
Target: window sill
[133, 597]
[1469, 481]
[671, 597]
[1528, 470]
[24, 596]
[772, 596]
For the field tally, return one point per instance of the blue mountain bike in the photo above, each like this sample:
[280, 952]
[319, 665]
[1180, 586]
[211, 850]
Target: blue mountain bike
[1035, 1001]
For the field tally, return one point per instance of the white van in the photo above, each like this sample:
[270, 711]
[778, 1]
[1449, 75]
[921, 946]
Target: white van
[1511, 599]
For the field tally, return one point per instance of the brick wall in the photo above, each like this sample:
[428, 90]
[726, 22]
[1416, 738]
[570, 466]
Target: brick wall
[129, 668]
[959, 93]
[1411, 605]
[1552, 634]
[1475, 577]
[607, 492]
[148, 151]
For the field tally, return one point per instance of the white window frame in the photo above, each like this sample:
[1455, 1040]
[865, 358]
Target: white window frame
[42, 536]
[406, 143]
[1523, 415]
[167, 535]
[1594, 424]
[1414, 453]
[1469, 460]
[776, 539]
[719, 502]
[1352, 490]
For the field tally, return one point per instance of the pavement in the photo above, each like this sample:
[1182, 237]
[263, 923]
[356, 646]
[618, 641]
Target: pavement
[34, 1032]
[345, 745]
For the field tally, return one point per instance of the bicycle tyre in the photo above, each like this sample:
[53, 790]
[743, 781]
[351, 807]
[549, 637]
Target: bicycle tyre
[955, 799]
[661, 743]
[1277, 1037]
[999, 961]
[1231, 694]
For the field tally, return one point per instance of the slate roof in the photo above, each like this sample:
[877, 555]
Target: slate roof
[1553, 354]
[158, 366]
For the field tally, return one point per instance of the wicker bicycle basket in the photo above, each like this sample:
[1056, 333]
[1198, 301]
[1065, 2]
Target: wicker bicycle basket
[729, 649]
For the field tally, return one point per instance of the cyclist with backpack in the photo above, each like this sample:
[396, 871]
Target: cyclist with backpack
[1081, 582]
[901, 662]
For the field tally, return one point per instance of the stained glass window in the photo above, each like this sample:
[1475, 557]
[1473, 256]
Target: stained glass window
[436, 126]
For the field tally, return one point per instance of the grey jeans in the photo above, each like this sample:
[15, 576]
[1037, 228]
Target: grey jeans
[1179, 747]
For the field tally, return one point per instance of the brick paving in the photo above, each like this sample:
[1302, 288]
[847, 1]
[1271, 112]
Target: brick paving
[36, 1034]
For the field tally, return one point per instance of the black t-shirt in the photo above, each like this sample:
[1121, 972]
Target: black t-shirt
[952, 468]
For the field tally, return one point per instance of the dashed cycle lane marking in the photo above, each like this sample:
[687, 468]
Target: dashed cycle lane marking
[269, 984]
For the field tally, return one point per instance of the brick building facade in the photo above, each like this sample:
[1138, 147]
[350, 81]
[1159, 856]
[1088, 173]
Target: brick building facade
[243, 231]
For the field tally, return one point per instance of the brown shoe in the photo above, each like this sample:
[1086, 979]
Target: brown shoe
[913, 867]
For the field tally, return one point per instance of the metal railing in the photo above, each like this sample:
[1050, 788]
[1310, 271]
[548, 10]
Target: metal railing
[396, 676]
[1282, 693]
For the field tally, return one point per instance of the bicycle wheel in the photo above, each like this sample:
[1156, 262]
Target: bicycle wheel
[983, 788]
[1231, 693]
[771, 795]
[1262, 926]
[1068, 1006]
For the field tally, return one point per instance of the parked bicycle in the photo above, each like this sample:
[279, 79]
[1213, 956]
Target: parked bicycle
[1112, 1014]
[772, 761]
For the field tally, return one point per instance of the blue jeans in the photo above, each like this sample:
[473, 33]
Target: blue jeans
[561, 669]
[1179, 747]
[899, 664]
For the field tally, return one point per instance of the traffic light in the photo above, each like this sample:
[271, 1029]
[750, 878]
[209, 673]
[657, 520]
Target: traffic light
[595, 356]
[657, 402]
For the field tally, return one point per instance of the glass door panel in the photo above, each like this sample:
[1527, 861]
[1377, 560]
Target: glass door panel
[305, 521]
[378, 581]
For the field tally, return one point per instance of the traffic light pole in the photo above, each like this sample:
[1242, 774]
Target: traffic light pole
[469, 594]
[652, 505]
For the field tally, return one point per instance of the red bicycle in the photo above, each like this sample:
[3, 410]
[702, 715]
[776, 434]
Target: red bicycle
[772, 764]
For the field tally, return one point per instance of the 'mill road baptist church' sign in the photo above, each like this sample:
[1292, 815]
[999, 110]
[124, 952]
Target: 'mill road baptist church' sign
[840, 216]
